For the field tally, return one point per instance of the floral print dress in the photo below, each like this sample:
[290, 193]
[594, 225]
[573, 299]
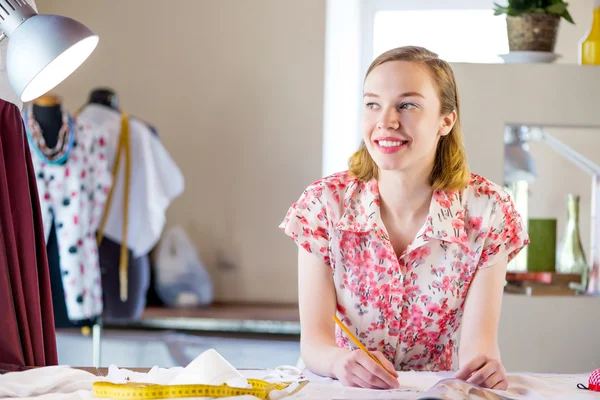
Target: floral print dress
[409, 307]
[72, 196]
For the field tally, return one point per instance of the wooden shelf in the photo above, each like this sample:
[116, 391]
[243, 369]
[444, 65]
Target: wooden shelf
[228, 318]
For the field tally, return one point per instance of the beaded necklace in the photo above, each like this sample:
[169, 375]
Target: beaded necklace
[65, 142]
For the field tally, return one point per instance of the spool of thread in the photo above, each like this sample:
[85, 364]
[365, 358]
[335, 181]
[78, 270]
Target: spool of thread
[593, 382]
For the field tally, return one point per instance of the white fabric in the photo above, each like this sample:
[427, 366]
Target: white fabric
[155, 181]
[73, 196]
[48, 383]
[53, 383]
[6, 91]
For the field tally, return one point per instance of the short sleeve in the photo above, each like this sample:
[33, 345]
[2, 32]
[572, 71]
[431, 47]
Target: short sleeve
[306, 222]
[506, 236]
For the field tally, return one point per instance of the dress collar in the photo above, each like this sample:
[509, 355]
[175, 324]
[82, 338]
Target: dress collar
[362, 213]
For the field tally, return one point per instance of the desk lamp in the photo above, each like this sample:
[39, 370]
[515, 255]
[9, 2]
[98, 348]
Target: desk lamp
[43, 50]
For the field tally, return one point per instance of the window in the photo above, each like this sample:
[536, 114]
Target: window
[359, 30]
[474, 36]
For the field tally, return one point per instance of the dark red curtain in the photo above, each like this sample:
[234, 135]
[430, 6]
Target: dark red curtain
[27, 334]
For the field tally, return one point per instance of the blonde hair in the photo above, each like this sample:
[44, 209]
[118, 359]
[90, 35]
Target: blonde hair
[450, 170]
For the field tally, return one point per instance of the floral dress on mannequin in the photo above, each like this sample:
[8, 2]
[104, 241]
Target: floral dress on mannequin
[73, 180]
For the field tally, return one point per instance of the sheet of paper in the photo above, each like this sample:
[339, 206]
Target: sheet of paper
[415, 385]
[337, 392]
[412, 385]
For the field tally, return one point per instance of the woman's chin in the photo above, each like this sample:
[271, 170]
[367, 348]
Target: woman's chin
[391, 167]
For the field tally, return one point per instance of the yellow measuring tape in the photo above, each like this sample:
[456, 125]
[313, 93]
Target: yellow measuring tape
[135, 391]
[123, 147]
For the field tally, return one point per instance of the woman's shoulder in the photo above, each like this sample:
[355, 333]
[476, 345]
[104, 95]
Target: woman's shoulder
[327, 198]
[482, 196]
[484, 189]
[492, 215]
[333, 188]
[320, 205]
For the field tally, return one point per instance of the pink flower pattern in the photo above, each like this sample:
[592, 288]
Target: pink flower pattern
[409, 306]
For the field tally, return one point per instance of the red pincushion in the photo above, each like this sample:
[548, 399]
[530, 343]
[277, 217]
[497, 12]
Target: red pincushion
[594, 382]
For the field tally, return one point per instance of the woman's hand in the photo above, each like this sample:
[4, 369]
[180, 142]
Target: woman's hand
[356, 368]
[484, 371]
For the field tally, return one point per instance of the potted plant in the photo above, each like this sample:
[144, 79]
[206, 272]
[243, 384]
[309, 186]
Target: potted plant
[532, 25]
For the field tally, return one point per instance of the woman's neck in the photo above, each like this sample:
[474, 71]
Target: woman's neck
[404, 196]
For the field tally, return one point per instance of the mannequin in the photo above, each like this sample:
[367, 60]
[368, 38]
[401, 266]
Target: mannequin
[73, 178]
[47, 111]
[138, 270]
[136, 216]
[107, 97]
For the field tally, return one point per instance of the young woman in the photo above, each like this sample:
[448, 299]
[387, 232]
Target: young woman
[407, 245]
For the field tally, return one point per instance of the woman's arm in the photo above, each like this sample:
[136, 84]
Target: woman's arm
[320, 353]
[479, 354]
[317, 303]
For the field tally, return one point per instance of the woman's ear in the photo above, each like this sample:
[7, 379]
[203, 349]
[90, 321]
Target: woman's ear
[447, 123]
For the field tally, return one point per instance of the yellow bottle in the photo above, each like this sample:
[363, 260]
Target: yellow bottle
[589, 47]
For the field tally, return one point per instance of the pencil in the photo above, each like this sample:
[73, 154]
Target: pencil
[357, 342]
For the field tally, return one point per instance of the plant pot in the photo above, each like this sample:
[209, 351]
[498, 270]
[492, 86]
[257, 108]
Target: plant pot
[532, 32]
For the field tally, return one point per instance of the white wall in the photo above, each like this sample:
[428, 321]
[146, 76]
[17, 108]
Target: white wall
[550, 334]
[235, 89]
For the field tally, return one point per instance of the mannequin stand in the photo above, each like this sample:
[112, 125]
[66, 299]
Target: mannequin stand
[97, 343]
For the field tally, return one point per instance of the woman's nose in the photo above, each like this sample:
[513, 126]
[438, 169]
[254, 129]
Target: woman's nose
[389, 120]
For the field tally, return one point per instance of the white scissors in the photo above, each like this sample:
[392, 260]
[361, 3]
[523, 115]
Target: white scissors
[286, 373]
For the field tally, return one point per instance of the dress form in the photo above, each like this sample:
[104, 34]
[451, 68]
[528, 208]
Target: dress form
[107, 97]
[109, 253]
[47, 111]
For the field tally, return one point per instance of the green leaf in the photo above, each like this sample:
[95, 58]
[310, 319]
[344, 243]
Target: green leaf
[557, 9]
[519, 7]
[568, 17]
[514, 13]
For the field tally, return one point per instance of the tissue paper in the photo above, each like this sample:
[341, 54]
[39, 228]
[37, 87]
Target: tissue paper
[210, 368]
[158, 376]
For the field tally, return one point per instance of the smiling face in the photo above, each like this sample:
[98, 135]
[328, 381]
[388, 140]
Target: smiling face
[401, 120]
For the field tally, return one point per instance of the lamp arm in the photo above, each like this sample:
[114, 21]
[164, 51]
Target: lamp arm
[593, 278]
[575, 157]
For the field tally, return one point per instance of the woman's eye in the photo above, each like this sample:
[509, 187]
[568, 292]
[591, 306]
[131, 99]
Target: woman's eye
[371, 106]
[407, 106]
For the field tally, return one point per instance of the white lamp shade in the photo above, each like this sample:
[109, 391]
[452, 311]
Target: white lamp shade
[43, 51]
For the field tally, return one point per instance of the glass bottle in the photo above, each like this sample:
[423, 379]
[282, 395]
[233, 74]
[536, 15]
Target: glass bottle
[589, 46]
[571, 258]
